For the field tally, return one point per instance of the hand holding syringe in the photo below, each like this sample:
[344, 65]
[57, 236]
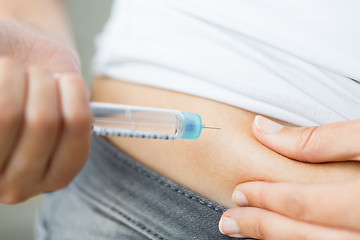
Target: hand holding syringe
[143, 122]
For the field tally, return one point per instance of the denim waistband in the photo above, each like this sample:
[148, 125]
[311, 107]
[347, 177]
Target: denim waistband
[120, 189]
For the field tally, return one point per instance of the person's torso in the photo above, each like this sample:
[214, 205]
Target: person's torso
[287, 59]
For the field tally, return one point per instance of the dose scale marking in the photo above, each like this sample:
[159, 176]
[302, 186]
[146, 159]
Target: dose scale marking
[143, 122]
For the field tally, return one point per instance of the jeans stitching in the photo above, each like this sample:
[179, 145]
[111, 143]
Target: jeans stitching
[138, 224]
[157, 179]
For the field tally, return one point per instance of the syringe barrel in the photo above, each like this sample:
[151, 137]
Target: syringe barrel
[134, 121]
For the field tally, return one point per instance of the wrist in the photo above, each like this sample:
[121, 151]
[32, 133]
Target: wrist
[49, 16]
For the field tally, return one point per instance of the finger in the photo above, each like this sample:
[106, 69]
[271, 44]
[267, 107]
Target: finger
[74, 145]
[36, 142]
[262, 224]
[12, 97]
[334, 205]
[332, 142]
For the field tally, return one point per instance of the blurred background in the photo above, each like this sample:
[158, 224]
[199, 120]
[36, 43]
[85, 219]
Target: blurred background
[88, 18]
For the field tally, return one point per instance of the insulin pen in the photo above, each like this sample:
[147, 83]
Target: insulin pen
[144, 122]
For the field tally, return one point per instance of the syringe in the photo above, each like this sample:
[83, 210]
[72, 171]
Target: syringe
[144, 122]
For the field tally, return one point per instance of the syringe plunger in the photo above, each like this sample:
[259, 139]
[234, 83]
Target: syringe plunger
[143, 122]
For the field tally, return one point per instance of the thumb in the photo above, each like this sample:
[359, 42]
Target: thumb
[328, 143]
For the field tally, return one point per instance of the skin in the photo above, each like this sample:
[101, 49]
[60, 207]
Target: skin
[48, 17]
[46, 133]
[45, 136]
[296, 211]
[219, 160]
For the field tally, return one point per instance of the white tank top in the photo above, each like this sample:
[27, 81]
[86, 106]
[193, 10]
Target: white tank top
[298, 61]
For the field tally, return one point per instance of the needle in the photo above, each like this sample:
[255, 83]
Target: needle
[216, 128]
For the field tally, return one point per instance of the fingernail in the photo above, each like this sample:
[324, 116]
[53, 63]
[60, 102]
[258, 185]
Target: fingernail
[228, 226]
[240, 199]
[265, 125]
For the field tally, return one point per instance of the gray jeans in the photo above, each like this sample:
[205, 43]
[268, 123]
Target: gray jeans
[115, 197]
